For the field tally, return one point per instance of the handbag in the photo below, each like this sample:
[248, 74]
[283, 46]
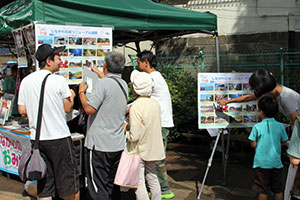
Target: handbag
[128, 170]
[32, 166]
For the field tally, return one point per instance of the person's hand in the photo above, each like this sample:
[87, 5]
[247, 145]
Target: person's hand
[72, 93]
[82, 87]
[223, 102]
[100, 74]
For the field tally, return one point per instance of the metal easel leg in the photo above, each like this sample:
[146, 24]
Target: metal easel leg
[226, 158]
[209, 162]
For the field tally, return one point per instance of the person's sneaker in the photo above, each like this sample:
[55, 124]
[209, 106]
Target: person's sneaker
[168, 196]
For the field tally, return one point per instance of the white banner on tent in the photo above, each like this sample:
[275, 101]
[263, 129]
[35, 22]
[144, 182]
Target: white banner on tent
[213, 87]
[85, 46]
[11, 145]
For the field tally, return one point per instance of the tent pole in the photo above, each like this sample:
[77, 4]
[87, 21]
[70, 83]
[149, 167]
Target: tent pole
[217, 51]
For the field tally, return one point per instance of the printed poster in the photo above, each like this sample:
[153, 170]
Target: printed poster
[28, 32]
[85, 47]
[213, 87]
[11, 145]
[19, 43]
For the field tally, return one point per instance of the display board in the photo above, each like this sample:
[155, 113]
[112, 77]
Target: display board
[11, 145]
[213, 87]
[85, 46]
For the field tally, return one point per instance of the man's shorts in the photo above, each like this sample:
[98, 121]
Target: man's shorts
[267, 178]
[62, 173]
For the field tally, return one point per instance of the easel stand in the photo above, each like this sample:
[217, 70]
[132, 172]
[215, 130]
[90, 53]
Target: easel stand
[224, 158]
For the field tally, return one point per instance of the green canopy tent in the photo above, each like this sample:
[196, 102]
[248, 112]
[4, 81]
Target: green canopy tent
[132, 21]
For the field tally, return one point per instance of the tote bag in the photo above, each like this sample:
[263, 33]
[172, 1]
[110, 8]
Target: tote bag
[128, 170]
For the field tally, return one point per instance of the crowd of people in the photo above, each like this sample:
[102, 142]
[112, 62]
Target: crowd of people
[150, 120]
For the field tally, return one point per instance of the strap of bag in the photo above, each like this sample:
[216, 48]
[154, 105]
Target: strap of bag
[39, 119]
[123, 90]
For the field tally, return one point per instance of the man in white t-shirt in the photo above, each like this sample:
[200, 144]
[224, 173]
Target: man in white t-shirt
[147, 63]
[56, 146]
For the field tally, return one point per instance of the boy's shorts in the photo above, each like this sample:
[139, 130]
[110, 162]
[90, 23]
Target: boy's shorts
[62, 172]
[267, 178]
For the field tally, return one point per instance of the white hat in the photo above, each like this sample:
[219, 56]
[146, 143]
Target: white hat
[142, 83]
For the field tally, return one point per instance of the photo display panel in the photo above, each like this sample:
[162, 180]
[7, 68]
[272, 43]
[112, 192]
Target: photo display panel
[85, 47]
[213, 87]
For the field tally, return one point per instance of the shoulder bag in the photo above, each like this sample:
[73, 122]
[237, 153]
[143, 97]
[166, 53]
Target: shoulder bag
[32, 166]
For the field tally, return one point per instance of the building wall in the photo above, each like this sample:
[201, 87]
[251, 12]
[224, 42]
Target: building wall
[244, 26]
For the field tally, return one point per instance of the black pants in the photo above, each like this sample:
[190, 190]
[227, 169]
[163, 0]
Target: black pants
[102, 169]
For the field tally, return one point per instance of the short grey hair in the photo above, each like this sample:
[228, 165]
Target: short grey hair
[115, 62]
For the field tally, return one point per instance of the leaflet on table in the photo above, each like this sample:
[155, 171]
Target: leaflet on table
[213, 87]
[85, 47]
[6, 103]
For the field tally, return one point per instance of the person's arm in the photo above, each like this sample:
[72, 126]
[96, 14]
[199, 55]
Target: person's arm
[294, 161]
[245, 98]
[293, 117]
[136, 126]
[22, 110]
[84, 100]
[69, 102]
[253, 144]
[100, 74]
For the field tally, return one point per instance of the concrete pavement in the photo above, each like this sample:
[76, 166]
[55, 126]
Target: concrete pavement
[186, 166]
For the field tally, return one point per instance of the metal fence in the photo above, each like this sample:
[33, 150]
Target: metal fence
[285, 66]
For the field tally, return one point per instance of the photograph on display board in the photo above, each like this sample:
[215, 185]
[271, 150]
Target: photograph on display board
[75, 63]
[207, 87]
[206, 97]
[221, 120]
[207, 119]
[89, 41]
[75, 52]
[103, 42]
[235, 86]
[45, 40]
[207, 108]
[64, 64]
[64, 73]
[213, 87]
[219, 97]
[90, 63]
[221, 86]
[101, 52]
[75, 74]
[75, 41]
[89, 52]
[250, 108]
[60, 40]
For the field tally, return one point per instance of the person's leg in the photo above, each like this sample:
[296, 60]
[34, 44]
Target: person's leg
[152, 180]
[74, 196]
[262, 196]
[278, 196]
[98, 175]
[114, 190]
[162, 171]
[141, 191]
[65, 168]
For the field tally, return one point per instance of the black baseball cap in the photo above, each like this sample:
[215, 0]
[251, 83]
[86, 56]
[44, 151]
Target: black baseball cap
[45, 50]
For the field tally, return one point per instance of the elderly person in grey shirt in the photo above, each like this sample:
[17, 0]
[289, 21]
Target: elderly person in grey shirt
[105, 138]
